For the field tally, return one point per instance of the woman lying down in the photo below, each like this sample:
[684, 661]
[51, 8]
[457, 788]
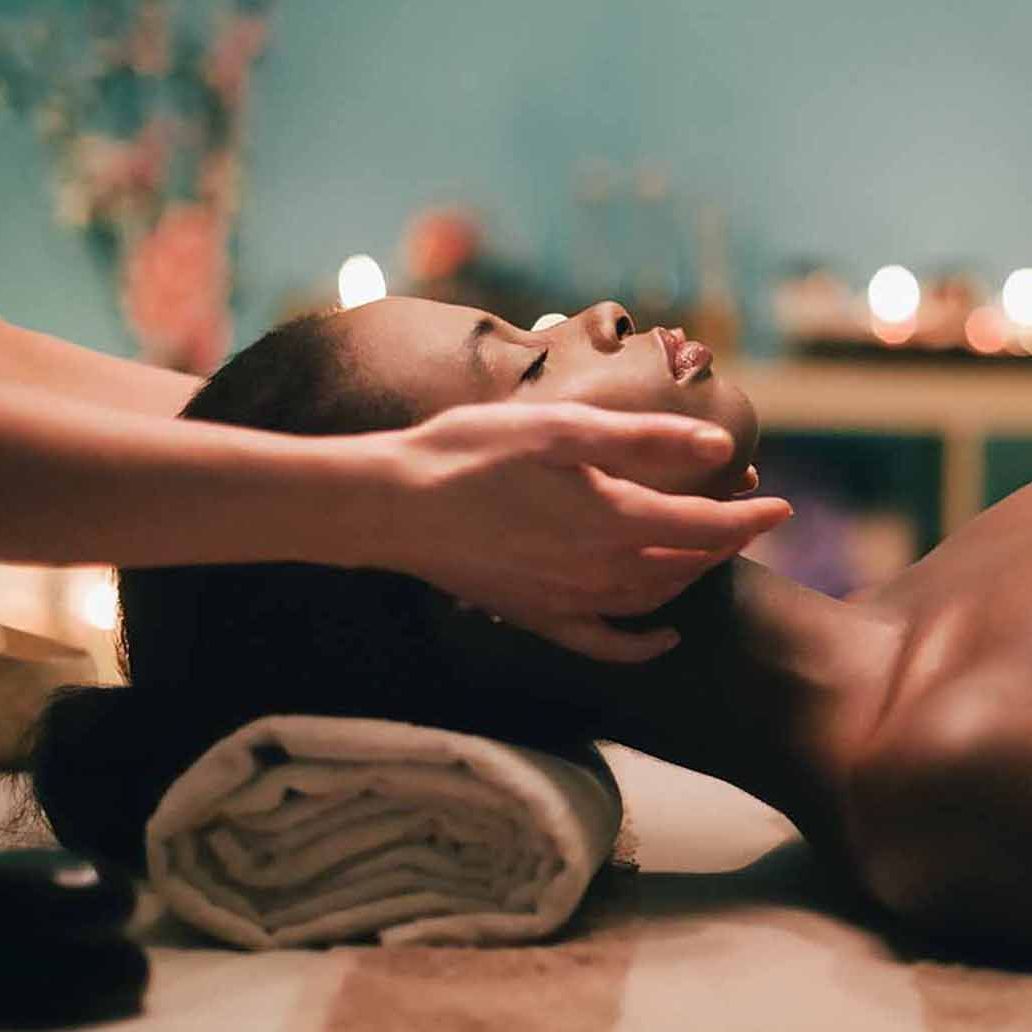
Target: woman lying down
[895, 730]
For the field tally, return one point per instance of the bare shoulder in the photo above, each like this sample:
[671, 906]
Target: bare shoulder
[938, 805]
[939, 799]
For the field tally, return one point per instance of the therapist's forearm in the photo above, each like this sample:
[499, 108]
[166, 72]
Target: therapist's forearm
[80, 483]
[40, 361]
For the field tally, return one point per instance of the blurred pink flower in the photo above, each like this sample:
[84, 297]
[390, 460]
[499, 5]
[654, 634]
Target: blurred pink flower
[112, 173]
[218, 181]
[173, 256]
[228, 65]
[176, 288]
[440, 241]
[148, 156]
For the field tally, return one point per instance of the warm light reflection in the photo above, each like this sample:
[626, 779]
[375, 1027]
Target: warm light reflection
[1017, 297]
[99, 605]
[360, 281]
[985, 331]
[546, 322]
[893, 333]
[894, 294]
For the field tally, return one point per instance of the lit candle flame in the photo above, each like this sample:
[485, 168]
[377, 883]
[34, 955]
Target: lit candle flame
[1017, 298]
[894, 294]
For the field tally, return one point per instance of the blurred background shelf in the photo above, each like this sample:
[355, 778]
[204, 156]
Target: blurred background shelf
[967, 408]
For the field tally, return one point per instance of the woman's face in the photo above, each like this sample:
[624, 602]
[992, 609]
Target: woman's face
[438, 356]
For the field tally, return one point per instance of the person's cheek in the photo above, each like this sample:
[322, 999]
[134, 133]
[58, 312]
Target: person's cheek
[627, 392]
[620, 394]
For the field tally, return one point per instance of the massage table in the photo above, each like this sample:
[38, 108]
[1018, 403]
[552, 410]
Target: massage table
[727, 925]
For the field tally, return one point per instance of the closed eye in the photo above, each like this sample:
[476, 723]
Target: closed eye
[536, 368]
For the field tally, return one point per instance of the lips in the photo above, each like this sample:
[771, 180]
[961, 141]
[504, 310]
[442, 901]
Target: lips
[687, 358]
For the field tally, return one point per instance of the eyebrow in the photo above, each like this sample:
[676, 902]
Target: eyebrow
[474, 343]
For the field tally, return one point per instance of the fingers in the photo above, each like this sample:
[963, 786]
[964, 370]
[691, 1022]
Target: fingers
[594, 638]
[620, 600]
[669, 564]
[635, 601]
[689, 522]
[653, 579]
[620, 442]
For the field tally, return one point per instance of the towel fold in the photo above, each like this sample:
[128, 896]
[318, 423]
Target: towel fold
[301, 830]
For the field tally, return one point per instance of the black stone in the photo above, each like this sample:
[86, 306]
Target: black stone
[50, 983]
[51, 893]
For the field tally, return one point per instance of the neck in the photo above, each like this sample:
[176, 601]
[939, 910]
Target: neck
[786, 683]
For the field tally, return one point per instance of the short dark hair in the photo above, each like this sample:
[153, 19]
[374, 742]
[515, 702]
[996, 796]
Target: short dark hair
[302, 377]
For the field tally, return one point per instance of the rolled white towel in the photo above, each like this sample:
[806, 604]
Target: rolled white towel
[301, 830]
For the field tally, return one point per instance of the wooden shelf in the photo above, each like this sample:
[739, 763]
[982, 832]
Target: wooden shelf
[962, 405]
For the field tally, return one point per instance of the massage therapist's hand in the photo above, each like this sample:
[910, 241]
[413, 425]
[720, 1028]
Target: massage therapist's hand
[532, 513]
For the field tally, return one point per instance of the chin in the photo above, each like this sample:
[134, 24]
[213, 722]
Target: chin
[739, 419]
[730, 408]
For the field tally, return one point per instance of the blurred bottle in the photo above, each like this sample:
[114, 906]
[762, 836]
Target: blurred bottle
[655, 249]
[715, 317]
[596, 249]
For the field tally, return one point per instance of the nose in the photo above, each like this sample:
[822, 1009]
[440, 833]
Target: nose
[608, 324]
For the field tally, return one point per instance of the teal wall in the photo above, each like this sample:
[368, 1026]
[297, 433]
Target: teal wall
[1008, 464]
[860, 132]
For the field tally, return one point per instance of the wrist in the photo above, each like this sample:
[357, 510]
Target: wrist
[345, 500]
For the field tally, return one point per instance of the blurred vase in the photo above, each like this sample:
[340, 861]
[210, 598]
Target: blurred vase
[595, 247]
[655, 247]
[715, 318]
[31, 667]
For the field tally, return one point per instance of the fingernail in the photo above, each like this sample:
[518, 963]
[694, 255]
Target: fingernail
[670, 640]
[714, 443]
